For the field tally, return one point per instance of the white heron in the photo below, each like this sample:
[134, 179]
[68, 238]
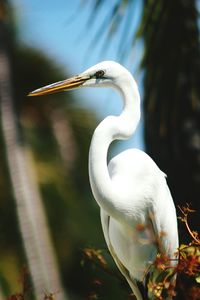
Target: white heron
[137, 211]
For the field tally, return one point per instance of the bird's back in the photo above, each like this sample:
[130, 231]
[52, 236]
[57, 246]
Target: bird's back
[148, 211]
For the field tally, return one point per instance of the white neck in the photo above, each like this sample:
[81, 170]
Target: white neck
[110, 129]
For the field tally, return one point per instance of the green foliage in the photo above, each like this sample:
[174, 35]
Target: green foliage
[172, 95]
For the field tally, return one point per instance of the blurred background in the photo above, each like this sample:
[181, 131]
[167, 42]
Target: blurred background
[51, 242]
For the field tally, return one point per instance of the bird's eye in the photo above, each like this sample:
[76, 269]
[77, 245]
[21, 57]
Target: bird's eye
[99, 74]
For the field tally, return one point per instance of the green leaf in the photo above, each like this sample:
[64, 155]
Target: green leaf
[197, 279]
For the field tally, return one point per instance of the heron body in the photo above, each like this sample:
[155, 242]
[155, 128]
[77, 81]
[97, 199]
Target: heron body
[137, 211]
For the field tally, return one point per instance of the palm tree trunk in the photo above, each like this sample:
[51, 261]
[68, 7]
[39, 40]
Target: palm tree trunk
[31, 216]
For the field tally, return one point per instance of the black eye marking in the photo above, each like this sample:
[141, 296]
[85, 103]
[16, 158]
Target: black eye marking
[99, 74]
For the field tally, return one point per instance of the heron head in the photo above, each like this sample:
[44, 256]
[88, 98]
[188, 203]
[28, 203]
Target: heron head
[105, 74]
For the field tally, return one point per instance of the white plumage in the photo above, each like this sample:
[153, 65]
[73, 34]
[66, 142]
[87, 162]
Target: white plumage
[137, 211]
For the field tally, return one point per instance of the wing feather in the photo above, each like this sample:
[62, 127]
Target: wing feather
[105, 220]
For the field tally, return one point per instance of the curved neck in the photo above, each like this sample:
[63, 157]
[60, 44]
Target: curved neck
[110, 129]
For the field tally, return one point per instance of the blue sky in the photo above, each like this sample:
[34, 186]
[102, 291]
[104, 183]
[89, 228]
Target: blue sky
[62, 30]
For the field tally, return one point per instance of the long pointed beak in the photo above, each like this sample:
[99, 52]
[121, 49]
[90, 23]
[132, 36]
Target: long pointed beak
[59, 86]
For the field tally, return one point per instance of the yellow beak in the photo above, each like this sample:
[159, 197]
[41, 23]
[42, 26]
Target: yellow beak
[59, 86]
